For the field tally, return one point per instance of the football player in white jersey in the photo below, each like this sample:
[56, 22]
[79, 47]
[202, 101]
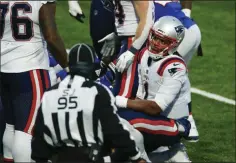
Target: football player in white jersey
[164, 87]
[25, 26]
[133, 19]
[191, 40]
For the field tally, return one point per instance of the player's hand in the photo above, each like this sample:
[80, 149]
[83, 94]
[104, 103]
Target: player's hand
[76, 11]
[124, 61]
[109, 46]
[121, 102]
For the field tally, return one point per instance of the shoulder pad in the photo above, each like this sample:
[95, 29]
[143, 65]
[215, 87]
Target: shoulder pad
[172, 67]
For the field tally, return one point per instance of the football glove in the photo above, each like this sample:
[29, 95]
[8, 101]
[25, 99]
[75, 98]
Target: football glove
[124, 61]
[76, 11]
[109, 46]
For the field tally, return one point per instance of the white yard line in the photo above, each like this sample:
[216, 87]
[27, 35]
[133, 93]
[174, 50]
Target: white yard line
[213, 96]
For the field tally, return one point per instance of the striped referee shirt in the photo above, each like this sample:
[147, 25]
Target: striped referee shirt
[80, 115]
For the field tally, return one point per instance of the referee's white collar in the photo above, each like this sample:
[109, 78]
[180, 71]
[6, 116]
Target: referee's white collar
[77, 79]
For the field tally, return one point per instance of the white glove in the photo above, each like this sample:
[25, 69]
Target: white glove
[124, 61]
[187, 12]
[121, 102]
[108, 48]
[76, 11]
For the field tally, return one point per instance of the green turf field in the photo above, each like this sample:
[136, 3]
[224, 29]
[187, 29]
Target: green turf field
[215, 72]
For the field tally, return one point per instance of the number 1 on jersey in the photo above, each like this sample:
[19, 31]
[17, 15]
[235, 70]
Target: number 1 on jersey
[146, 90]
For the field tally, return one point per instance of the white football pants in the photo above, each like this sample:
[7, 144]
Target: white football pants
[177, 153]
[138, 138]
[16, 145]
[190, 43]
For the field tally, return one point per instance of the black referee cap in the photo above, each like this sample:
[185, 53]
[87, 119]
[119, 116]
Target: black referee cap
[82, 60]
[81, 53]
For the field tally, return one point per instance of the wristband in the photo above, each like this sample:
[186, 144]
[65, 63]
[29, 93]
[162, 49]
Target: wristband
[121, 101]
[57, 68]
[133, 50]
[187, 12]
[124, 103]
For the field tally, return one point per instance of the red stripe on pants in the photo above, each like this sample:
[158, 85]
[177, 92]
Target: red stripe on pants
[35, 97]
[124, 76]
[45, 73]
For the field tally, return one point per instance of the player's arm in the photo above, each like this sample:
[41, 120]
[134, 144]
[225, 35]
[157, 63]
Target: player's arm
[116, 135]
[169, 87]
[51, 34]
[41, 151]
[187, 7]
[144, 11]
[146, 106]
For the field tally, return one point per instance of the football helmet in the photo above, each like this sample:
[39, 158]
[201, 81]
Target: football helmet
[165, 36]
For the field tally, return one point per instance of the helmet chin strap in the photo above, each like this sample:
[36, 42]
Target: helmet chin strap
[155, 56]
[158, 55]
[172, 51]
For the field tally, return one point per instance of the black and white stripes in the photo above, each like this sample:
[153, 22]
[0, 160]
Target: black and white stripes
[80, 116]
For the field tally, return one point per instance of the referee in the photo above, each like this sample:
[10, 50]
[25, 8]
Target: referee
[77, 116]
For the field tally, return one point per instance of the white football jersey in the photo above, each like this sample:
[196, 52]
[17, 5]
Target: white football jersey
[126, 19]
[22, 45]
[166, 82]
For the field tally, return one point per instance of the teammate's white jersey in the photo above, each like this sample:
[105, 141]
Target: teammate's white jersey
[166, 82]
[126, 19]
[22, 45]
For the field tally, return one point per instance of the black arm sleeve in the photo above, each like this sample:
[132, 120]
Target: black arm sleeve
[41, 151]
[113, 130]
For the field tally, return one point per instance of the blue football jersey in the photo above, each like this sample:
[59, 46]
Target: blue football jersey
[171, 8]
[102, 20]
[107, 79]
